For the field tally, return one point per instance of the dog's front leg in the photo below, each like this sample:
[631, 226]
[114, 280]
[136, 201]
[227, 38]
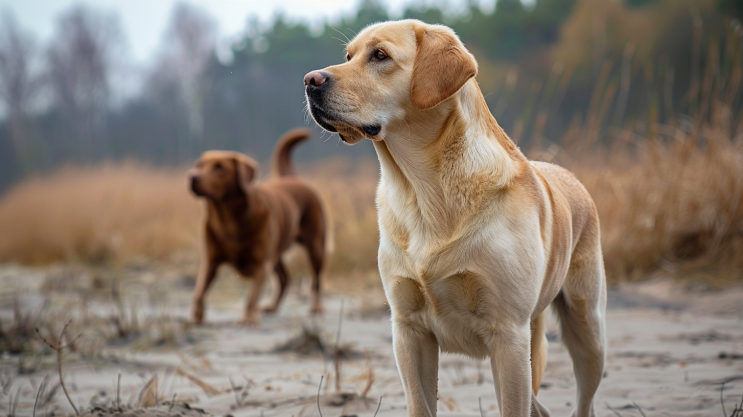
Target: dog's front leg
[417, 357]
[206, 276]
[251, 315]
[510, 360]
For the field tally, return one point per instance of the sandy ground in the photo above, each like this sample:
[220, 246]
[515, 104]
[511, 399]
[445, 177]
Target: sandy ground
[670, 349]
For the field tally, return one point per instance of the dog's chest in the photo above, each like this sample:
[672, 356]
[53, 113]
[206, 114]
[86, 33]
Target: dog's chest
[238, 248]
[458, 288]
[464, 282]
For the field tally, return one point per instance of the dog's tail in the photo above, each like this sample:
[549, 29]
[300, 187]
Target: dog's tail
[282, 164]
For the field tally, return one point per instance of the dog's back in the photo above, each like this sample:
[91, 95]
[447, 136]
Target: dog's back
[582, 208]
[304, 197]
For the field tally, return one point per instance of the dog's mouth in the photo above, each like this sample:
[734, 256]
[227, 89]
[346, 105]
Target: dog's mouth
[348, 132]
[322, 118]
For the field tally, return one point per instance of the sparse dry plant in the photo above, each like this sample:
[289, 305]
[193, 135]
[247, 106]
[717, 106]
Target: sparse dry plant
[59, 347]
[18, 336]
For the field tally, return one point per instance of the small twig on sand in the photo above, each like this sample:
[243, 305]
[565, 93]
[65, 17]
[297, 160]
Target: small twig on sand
[616, 413]
[208, 388]
[340, 322]
[234, 391]
[319, 387]
[118, 392]
[59, 348]
[337, 353]
[7, 384]
[378, 405]
[479, 404]
[38, 394]
[639, 409]
[370, 377]
[15, 402]
[172, 402]
[42, 388]
[738, 410]
[148, 394]
[722, 402]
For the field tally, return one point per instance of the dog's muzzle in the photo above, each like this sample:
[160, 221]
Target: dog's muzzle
[316, 85]
[195, 185]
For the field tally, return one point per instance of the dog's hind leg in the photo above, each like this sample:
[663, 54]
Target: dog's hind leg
[538, 351]
[316, 250]
[283, 276]
[538, 362]
[581, 307]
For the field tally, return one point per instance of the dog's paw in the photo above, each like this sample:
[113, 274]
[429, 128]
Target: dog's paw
[197, 317]
[270, 309]
[537, 409]
[249, 321]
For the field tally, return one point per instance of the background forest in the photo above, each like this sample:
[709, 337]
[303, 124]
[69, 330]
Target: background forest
[77, 99]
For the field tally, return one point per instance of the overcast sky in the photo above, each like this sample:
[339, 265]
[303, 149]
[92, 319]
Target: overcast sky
[144, 21]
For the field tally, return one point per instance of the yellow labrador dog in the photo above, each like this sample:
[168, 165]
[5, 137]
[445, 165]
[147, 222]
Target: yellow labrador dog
[475, 240]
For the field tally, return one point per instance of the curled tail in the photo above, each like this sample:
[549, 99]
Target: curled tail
[282, 164]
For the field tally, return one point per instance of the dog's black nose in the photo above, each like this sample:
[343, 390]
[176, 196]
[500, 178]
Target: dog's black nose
[316, 78]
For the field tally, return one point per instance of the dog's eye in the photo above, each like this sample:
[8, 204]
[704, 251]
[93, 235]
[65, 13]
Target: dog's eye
[348, 57]
[218, 166]
[379, 55]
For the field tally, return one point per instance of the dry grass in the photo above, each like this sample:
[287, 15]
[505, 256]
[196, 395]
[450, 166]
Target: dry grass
[119, 213]
[109, 212]
[672, 202]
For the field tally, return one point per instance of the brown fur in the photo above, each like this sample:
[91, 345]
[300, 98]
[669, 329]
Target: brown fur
[249, 224]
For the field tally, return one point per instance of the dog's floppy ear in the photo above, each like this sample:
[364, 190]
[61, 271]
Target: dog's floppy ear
[442, 66]
[245, 169]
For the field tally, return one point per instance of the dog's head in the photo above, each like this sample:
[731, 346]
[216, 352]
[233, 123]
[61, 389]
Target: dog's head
[222, 174]
[393, 70]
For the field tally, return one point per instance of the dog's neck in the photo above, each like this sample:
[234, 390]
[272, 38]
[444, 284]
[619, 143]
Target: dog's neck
[448, 159]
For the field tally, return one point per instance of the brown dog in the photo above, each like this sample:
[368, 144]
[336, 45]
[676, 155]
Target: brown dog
[250, 224]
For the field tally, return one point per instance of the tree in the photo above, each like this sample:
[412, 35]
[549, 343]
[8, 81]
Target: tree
[80, 61]
[177, 82]
[18, 85]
